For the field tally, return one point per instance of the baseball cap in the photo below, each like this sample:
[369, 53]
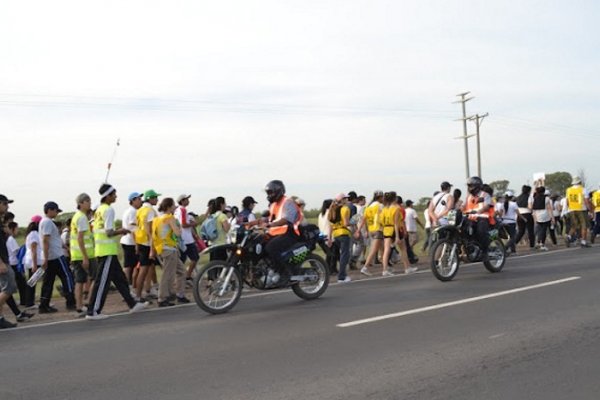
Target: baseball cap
[148, 194]
[134, 195]
[51, 205]
[409, 203]
[82, 197]
[248, 201]
[36, 219]
[182, 197]
[509, 193]
[445, 185]
[341, 196]
[4, 198]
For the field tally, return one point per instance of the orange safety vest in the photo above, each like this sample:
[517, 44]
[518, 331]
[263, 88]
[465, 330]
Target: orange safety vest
[276, 212]
[472, 204]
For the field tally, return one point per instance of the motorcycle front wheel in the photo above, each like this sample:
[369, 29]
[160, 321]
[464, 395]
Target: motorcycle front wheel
[444, 259]
[217, 287]
[496, 256]
[316, 278]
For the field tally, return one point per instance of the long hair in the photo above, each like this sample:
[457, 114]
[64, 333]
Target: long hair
[33, 226]
[165, 204]
[325, 206]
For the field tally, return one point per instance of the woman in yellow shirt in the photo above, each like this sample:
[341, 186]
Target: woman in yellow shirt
[390, 215]
[339, 217]
[371, 219]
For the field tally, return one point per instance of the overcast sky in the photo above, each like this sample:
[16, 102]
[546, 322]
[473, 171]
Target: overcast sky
[219, 97]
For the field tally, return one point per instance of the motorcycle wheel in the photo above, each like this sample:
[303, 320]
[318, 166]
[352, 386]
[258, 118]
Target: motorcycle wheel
[444, 261]
[211, 291]
[315, 268]
[496, 256]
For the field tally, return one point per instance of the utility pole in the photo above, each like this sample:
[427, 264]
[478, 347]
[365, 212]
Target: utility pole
[465, 137]
[478, 121]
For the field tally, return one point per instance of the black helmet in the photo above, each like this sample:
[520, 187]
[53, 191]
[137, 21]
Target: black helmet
[474, 185]
[275, 190]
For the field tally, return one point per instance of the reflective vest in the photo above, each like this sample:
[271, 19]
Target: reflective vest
[596, 201]
[472, 203]
[141, 236]
[372, 217]
[575, 198]
[88, 239]
[276, 213]
[163, 236]
[104, 245]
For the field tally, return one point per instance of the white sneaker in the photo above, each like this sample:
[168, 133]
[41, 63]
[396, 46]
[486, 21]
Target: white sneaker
[138, 307]
[543, 248]
[96, 317]
[365, 271]
[346, 280]
[411, 270]
[386, 273]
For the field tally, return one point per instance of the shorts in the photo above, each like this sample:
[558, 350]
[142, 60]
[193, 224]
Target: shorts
[191, 252]
[144, 256]
[130, 259]
[80, 274]
[392, 236]
[579, 219]
[377, 235]
[8, 284]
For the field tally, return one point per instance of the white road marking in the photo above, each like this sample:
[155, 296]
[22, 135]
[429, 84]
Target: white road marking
[454, 303]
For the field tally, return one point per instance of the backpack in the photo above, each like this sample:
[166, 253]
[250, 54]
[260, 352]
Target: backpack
[21, 259]
[208, 229]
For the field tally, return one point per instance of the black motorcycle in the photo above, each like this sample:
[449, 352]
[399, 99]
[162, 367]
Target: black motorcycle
[218, 284]
[456, 241]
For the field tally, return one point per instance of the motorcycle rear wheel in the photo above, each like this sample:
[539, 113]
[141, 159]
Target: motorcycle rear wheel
[445, 261]
[212, 293]
[496, 256]
[315, 268]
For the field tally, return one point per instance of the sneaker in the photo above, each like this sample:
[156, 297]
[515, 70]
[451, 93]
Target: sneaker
[32, 307]
[46, 310]
[183, 300]
[568, 241]
[411, 270]
[387, 273]
[71, 307]
[585, 244]
[81, 312]
[4, 324]
[172, 298]
[23, 316]
[96, 317]
[365, 271]
[165, 303]
[138, 307]
[543, 248]
[151, 295]
[345, 280]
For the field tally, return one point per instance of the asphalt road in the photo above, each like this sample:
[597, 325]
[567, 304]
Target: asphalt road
[472, 338]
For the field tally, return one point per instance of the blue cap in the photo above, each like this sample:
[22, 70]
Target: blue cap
[134, 195]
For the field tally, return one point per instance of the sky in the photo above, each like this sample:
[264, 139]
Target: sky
[217, 98]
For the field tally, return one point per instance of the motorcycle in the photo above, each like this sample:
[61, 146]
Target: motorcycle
[218, 284]
[455, 242]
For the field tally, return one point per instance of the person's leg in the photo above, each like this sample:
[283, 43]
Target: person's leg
[167, 260]
[373, 250]
[48, 285]
[118, 278]
[101, 285]
[585, 223]
[21, 285]
[522, 228]
[530, 230]
[80, 279]
[344, 244]
[387, 252]
[180, 274]
[30, 294]
[511, 229]
[12, 304]
[68, 282]
[427, 238]
[552, 230]
[191, 252]
[144, 258]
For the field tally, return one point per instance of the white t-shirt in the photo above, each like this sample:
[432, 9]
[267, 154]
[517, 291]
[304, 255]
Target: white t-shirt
[48, 228]
[324, 224]
[543, 215]
[427, 219]
[509, 216]
[65, 238]
[440, 202]
[411, 219]
[32, 237]
[183, 217]
[564, 206]
[13, 248]
[109, 219]
[129, 223]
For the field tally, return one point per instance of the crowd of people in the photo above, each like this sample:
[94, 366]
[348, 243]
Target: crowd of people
[84, 253]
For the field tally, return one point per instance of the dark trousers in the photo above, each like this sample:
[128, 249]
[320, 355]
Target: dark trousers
[58, 267]
[30, 292]
[21, 286]
[526, 226]
[512, 232]
[481, 229]
[412, 258]
[12, 304]
[596, 224]
[541, 230]
[109, 270]
[332, 257]
[277, 245]
[343, 242]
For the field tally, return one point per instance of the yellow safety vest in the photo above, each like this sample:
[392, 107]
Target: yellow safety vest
[104, 245]
[372, 217]
[162, 234]
[387, 220]
[596, 201]
[575, 198]
[88, 239]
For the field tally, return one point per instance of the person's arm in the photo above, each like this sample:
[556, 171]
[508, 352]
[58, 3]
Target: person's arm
[86, 261]
[3, 267]
[175, 227]
[45, 250]
[419, 222]
[361, 225]
[432, 217]
[34, 253]
[226, 225]
[184, 222]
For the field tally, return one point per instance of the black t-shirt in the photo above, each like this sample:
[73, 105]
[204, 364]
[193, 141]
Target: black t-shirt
[3, 249]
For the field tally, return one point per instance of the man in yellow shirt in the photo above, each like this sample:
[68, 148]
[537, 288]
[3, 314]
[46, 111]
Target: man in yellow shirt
[579, 206]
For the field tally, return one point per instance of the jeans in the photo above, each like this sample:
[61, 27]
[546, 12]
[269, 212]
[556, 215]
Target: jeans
[512, 231]
[541, 231]
[343, 243]
[526, 225]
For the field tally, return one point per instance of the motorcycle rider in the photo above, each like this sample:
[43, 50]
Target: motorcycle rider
[477, 208]
[282, 226]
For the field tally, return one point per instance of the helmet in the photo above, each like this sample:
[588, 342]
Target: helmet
[474, 184]
[275, 190]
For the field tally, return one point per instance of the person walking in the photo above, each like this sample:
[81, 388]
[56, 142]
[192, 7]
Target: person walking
[339, 216]
[8, 285]
[188, 228]
[372, 220]
[412, 222]
[81, 249]
[579, 206]
[129, 222]
[106, 249]
[143, 241]
[13, 250]
[332, 254]
[508, 211]
[33, 256]
[525, 224]
[595, 203]
[222, 224]
[541, 207]
[166, 236]
[54, 262]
